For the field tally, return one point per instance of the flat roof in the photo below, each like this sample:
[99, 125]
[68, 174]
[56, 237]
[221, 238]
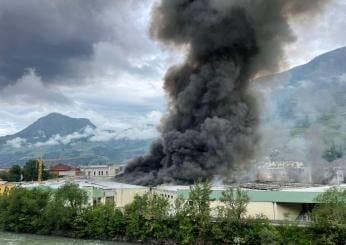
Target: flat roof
[283, 196]
[115, 185]
[266, 196]
[55, 184]
[95, 166]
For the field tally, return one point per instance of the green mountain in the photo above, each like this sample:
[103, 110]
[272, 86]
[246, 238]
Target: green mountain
[59, 138]
[49, 126]
[305, 109]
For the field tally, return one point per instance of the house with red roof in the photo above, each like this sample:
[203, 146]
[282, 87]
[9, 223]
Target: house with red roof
[64, 170]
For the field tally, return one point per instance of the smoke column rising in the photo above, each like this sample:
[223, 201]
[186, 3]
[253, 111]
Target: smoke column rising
[212, 123]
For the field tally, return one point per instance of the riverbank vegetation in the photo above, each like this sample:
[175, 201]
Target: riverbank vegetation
[155, 219]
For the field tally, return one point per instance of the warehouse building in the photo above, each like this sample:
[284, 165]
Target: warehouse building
[273, 201]
[276, 204]
[97, 191]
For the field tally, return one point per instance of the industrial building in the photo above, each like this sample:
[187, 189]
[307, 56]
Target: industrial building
[274, 201]
[97, 192]
[275, 204]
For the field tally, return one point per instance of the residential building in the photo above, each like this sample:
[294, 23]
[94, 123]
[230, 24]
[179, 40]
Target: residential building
[101, 171]
[64, 170]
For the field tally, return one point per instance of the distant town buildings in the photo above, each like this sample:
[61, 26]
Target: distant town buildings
[62, 170]
[89, 171]
[101, 171]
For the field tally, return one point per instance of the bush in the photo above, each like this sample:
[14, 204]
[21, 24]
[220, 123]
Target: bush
[99, 222]
[21, 209]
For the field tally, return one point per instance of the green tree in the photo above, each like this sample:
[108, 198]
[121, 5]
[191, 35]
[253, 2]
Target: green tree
[235, 201]
[148, 217]
[157, 217]
[66, 202]
[70, 195]
[100, 222]
[331, 207]
[21, 209]
[194, 218]
[3, 176]
[134, 215]
[15, 173]
[30, 171]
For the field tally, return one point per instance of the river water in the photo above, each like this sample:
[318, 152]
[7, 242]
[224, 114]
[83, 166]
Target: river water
[25, 239]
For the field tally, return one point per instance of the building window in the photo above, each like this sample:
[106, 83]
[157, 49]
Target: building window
[107, 173]
[101, 172]
[94, 173]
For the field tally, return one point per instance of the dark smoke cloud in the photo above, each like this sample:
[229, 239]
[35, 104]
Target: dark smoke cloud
[212, 124]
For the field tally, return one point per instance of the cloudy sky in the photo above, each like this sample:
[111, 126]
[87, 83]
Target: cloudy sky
[94, 59]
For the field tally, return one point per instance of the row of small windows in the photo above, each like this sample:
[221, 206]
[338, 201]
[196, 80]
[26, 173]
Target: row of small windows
[100, 173]
[166, 195]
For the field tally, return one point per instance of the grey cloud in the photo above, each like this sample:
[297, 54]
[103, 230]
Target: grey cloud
[57, 38]
[30, 89]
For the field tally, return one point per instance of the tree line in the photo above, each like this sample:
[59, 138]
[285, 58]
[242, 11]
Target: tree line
[29, 172]
[152, 218]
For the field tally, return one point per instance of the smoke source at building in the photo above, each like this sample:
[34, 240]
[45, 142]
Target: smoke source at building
[211, 127]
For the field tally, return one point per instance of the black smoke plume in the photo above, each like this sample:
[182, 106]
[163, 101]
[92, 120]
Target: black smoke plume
[212, 123]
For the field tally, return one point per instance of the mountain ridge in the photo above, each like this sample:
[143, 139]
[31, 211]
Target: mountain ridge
[60, 138]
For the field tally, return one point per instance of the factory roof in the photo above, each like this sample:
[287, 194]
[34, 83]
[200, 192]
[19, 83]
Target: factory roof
[297, 195]
[186, 187]
[55, 184]
[267, 196]
[115, 185]
[95, 166]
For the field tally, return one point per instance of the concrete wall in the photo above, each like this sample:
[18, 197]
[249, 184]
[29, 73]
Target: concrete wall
[265, 208]
[268, 209]
[125, 196]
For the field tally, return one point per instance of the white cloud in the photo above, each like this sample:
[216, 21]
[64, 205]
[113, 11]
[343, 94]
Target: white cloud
[29, 89]
[322, 35]
[16, 142]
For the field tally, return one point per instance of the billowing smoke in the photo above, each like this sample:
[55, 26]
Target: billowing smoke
[212, 123]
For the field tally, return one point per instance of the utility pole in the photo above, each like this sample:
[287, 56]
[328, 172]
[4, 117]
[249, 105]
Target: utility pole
[39, 170]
